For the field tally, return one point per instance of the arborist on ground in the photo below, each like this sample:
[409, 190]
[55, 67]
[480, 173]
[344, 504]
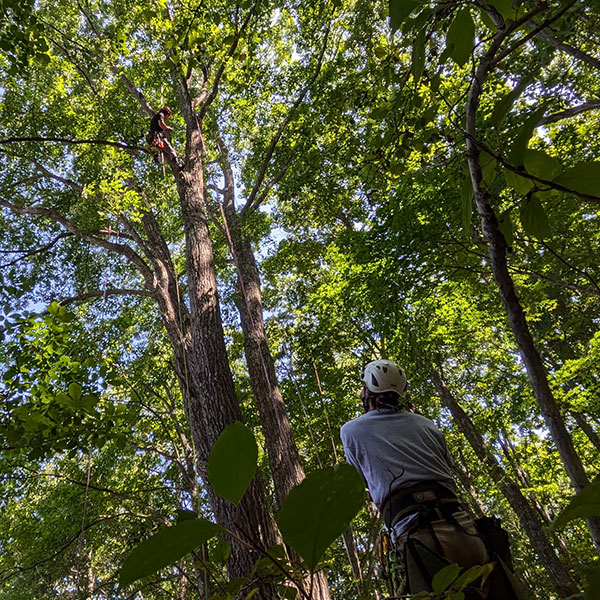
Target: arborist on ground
[405, 462]
[157, 138]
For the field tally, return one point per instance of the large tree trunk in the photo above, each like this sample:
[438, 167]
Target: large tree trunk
[528, 517]
[516, 315]
[200, 355]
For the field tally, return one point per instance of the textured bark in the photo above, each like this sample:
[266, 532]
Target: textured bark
[284, 459]
[516, 315]
[587, 428]
[528, 517]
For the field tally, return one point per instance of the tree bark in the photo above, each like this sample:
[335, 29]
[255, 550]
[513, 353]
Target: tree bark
[284, 459]
[587, 428]
[516, 316]
[528, 517]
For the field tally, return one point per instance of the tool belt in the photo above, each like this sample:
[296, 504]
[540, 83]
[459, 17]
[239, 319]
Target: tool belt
[422, 497]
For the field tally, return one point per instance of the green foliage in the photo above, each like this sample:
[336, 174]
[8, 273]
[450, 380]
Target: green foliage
[165, 547]
[583, 178]
[232, 462]
[585, 504]
[460, 38]
[319, 509]
[533, 217]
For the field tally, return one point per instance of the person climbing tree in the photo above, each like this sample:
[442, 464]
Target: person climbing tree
[405, 462]
[157, 138]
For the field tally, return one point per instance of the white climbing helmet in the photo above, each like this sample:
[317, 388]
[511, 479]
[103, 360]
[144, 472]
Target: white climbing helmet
[384, 376]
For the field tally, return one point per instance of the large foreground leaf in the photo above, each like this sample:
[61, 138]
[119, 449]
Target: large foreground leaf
[165, 547]
[232, 462]
[318, 510]
[584, 504]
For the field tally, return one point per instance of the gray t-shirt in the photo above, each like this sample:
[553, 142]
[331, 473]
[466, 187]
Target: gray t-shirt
[396, 449]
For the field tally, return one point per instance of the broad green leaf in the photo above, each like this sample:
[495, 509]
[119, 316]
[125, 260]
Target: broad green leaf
[399, 10]
[533, 218]
[583, 178]
[418, 56]
[460, 37]
[75, 391]
[504, 7]
[522, 185]
[469, 576]
[319, 509]
[519, 145]
[165, 547]
[592, 583]
[232, 462]
[466, 192]
[443, 579]
[506, 227]
[542, 165]
[585, 504]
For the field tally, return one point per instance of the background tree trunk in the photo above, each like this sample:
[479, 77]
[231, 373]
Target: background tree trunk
[528, 517]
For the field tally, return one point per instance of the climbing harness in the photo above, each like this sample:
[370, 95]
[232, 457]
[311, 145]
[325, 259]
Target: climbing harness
[410, 566]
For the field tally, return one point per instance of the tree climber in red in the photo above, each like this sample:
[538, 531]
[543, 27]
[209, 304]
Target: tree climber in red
[157, 138]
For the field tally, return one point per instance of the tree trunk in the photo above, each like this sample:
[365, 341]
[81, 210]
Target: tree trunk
[282, 451]
[516, 316]
[527, 515]
[587, 428]
[200, 356]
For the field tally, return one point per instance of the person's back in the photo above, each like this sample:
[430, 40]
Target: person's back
[405, 462]
[396, 449]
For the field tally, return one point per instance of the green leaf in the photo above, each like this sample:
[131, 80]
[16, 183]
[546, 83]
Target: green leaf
[522, 185]
[541, 165]
[585, 504]
[583, 178]
[443, 579]
[460, 37]
[592, 583]
[75, 391]
[519, 145]
[466, 193]
[533, 218]
[232, 462]
[504, 7]
[469, 576]
[400, 10]
[418, 56]
[165, 547]
[319, 509]
[506, 227]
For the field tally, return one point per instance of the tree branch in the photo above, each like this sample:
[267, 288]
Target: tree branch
[283, 125]
[120, 249]
[570, 112]
[119, 145]
[104, 293]
[36, 250]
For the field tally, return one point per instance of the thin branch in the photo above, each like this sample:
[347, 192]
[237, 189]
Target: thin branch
[540, 8]
[270, 184]
[215, 87]
[569, 112]
[119, 145]
[36, 250]
[121, 249]
[591, 61]
[107, 292]
[270, 151]
[68, 182]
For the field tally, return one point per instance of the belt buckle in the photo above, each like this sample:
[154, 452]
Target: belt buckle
[424, 496]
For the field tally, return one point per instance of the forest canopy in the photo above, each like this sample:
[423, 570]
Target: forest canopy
[183, 330]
